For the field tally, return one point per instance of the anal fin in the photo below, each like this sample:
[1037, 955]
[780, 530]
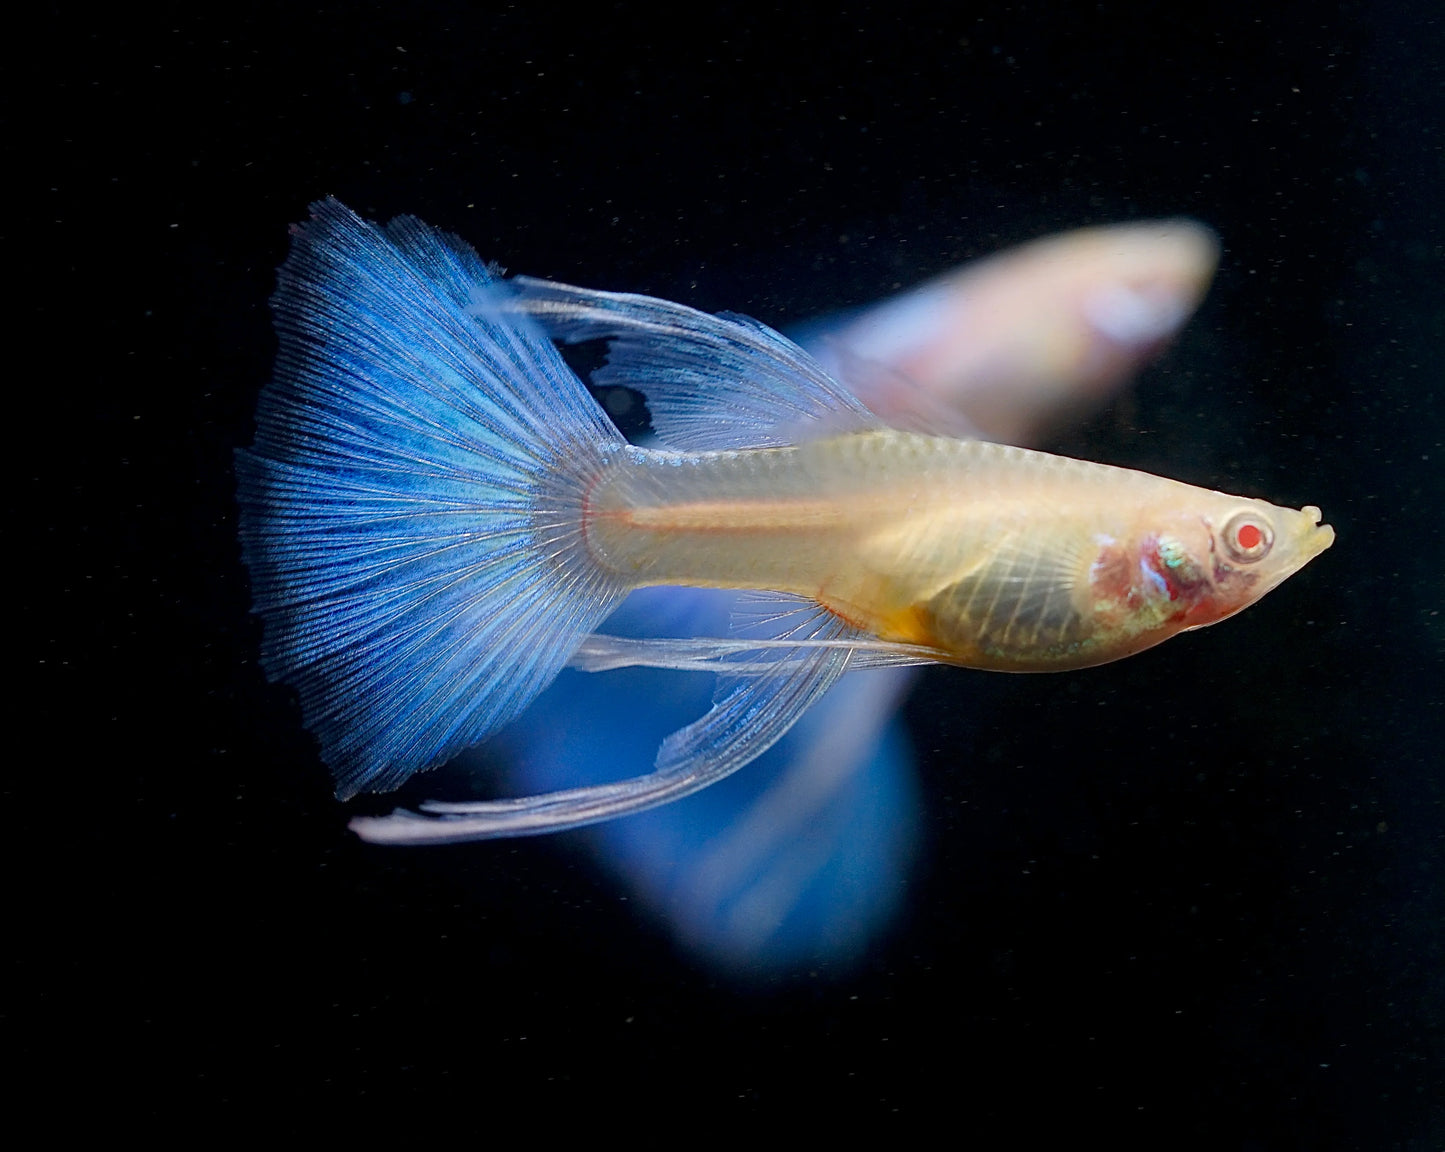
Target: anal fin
[751, 712]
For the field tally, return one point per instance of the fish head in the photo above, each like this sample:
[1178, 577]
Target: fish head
[1222, 553]
[1144, 280]
[1255, 546]
[1193, 559]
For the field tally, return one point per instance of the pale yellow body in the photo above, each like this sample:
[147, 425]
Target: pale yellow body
[993, 556]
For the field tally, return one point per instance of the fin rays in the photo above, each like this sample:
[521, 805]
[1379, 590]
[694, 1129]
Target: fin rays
[410, 509]
[711, 382]
[753, 709]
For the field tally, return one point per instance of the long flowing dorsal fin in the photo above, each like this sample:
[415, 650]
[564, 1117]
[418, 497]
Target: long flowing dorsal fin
[711, 382]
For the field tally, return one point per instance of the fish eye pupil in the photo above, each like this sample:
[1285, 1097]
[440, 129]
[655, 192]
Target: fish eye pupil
[1247, 537]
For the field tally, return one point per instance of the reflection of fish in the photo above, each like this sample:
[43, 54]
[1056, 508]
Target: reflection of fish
[800, 859]
[436, 516]
[1004, 345]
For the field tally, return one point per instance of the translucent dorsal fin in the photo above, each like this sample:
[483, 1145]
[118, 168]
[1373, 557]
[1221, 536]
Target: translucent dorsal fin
[711, 382]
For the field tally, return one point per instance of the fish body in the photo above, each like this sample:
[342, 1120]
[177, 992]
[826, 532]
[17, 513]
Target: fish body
[991, 556]
[437, 517]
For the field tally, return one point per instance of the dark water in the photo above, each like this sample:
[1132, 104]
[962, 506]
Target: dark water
[1195, 899]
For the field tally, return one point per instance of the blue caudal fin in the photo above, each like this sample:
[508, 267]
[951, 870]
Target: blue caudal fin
[411, 506]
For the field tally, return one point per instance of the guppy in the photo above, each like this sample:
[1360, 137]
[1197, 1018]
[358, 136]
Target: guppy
[437, 516]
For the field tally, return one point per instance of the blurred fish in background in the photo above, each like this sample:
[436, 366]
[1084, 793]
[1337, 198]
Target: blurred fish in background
[803, 859]
[1015, 346]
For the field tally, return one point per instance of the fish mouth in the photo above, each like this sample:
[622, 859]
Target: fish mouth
[1313, 537]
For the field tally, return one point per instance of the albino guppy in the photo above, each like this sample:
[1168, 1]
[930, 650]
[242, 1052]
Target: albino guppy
[804, 858]
[436, 516]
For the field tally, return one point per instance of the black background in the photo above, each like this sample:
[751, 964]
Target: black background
[1194, 899]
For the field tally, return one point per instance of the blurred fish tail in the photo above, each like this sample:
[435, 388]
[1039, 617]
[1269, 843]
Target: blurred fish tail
[411, 508]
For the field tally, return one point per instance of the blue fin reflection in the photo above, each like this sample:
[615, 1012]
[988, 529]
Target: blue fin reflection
[801, 859]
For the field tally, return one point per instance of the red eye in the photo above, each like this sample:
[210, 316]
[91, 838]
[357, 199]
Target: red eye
[1247, 537]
